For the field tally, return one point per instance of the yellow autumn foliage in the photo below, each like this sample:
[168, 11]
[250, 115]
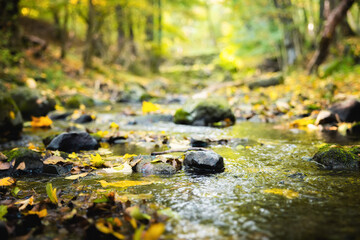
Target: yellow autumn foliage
[41, 122]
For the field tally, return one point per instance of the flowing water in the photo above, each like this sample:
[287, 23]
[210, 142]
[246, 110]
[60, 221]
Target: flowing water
[249, 200]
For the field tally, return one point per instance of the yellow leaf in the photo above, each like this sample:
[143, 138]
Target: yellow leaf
[12, 115]
[114, 125]
[126, 156]
[73, 155]
[77, 176]
[148, 107]
[137, 214]
[8, 181]
[123, 184]
[41, 214]
[97, 160]
[102, 133]
[25, 203]
[118, 235]
[51, 193]
[154, 232]
[290, 194]
[59, 108]
[303, 122]
[41, 122]
[103, 228]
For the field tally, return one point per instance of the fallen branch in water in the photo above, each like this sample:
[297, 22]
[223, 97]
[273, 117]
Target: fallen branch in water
[178, 150]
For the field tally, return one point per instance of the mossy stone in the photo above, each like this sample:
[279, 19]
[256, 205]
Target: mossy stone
[32, 103]
[11, 122]
[76, 100]
[336, 158]
[31, 159]
[207, 112]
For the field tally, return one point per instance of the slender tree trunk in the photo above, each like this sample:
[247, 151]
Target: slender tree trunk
[64, 31]
[210, 25]
[159, 24]
[89, 48]
[149, 29]
[335, 17]
[291, 34]
[9, 26]
[131, 34]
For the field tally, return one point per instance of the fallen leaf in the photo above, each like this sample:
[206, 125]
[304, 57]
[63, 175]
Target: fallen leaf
[12, 115]
[54, 160]
[70, 214]
[123, 168]
[155, 231]
[148, 107]
[7, 181]
[127, 156]
[4, 165]
[77, 176]
[41, 214]
[25, 203]
[96, 160]
[3, 212]
[114, 125]
[290, 194]
[41, 122]
[51, 193]
[123, 184]
[137, 214]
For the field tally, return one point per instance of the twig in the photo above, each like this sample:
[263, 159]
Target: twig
[178, 150]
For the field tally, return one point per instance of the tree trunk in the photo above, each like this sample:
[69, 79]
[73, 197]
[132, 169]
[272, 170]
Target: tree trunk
[291, 34]
[89, 48]
[335, 17]
[131, 34]
[64, 31]
[9, 27]
[149, 29]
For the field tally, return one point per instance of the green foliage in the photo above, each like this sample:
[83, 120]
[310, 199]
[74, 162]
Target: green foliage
[3, 212]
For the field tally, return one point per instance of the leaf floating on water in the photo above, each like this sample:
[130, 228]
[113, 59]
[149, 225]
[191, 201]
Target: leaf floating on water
[41, 122]
[290, 194]
[51, 193]
[123, 184]
[148, 107]
[3, 212]
[77, 176]
[8, 181]
[155, 231]
[123, 168]
[41, 214]
[127, 156]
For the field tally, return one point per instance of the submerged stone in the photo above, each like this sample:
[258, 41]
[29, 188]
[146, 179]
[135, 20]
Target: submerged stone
[203, 162]
[73, 142]
[146, 166]
[85, 118]
[208, 112]
[337, 158]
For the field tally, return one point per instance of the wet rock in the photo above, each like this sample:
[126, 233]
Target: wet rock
[133, 92]
[32, 103]
[347, 111]
[203, 162]
[267, 82]
[59, 115]
[73, 142]
[209, 112]
[76, 100]
[337, 158]
[199, 142]
[85, 118]
[11, 122]
[147, 167]
[57, 169]
[354, 131]
[24, 161]
[325, 117]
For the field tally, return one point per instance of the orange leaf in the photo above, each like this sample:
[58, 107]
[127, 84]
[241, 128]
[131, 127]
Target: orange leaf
[41, 122]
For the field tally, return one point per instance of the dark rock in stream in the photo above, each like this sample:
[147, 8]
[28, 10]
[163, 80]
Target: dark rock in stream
[325, 117]
[32, 103]
[85, 118]
[73, 142]
[208, 112]
[59, 115]
[337, 158]
[11, 122]
[347, 111]
[146, 166]
[203, 162]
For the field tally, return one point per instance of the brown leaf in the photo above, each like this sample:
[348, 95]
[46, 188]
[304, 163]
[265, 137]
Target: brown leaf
[4, 165]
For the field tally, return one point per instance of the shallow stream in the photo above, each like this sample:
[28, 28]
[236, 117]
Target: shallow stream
[269, 190]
